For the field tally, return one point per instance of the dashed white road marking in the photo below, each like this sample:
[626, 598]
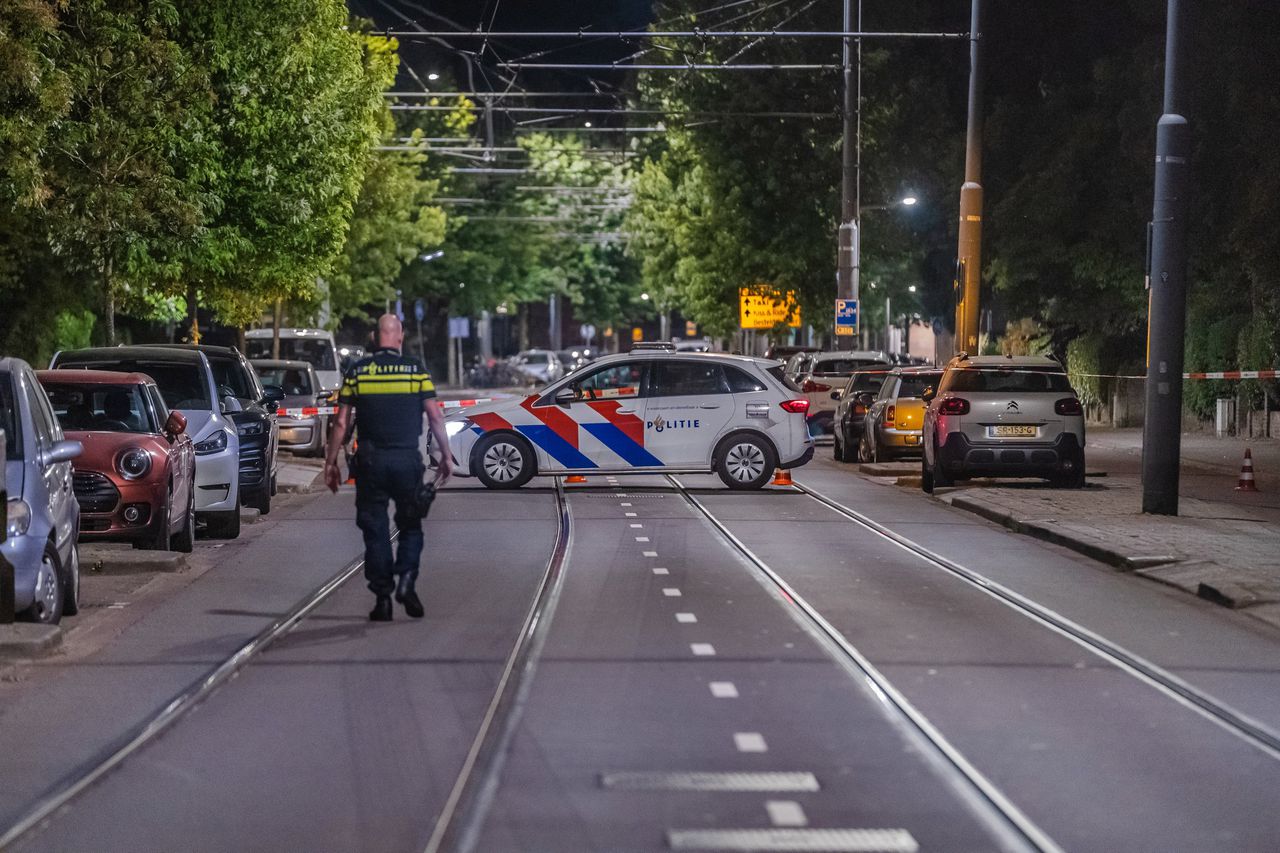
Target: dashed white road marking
[649, 553]
[642, 538]
[630, 514]
[765, 782]
[624, 504]
[117, 605]
[687, 618]
[750, 742]
[724, 690]
[702, 650]
[659, 570]
[635, 526]
[786, 813]
[828, 840]
[671, 592]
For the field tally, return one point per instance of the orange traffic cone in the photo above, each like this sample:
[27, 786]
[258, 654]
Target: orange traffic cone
[1246, 483]
[782, 477]
[575, 478]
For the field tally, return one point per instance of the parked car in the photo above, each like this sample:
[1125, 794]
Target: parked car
[895, 417]
[42, 517]
[538, 366]
[852, 403]
[825, 372]
[254, 415]
[186, 384]
[135, 481]
[304, 434]
[314, 346]
[1003, 416]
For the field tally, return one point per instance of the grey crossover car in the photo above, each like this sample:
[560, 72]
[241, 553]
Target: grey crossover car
[1003, 416]
[43, 518]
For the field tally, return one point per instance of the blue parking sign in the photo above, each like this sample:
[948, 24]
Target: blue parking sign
[846, 316]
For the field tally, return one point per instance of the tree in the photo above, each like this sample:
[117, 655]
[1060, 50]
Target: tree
[34, 94]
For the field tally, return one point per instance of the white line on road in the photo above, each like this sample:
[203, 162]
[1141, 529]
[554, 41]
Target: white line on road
[786, 813]
[659, 570]
[634, 526]
[671, 592]
[686, 781]
[702, 650]
[642, 538]
[624, 503]
[829, 840]
[750, 742]
[724, 690]
[649, 553]
[687, 618]
[630, 514]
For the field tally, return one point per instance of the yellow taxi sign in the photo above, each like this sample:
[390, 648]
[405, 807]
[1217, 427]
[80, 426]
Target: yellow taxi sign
[765, 307]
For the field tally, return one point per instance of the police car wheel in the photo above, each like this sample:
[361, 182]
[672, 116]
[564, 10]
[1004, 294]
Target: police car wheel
[503, 461]
[745, 462]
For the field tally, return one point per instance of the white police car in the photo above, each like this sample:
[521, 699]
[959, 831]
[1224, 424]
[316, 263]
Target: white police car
[651, 410]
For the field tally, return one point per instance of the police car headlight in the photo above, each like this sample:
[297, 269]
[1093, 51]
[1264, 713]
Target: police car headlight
[452, 428]
[19, 517]
[134, 463]
[213, 444]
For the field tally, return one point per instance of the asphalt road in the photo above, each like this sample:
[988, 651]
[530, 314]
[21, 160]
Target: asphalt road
[675, 684]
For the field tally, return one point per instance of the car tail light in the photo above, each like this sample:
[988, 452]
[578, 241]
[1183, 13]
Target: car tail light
[890, 415]
[1068, 406]
[954, 406]
[795, 407]
[811, 387]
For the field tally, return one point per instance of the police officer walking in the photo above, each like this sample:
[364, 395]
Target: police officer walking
[388, 394]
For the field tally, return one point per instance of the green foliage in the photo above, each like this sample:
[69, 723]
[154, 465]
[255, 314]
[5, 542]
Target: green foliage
[34, 93]
[73, 329]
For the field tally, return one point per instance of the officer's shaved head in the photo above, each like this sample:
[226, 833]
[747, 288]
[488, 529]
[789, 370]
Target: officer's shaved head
[390, 331]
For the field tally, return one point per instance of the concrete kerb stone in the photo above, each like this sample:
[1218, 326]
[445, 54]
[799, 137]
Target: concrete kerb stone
[125, 560]
[28, 640]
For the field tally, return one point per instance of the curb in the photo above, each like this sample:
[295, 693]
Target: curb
[1039, 531]
[25, 640]
[126, 561]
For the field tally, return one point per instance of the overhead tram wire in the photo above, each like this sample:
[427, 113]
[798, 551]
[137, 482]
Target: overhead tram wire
[569, 112]
[543, 66]
[624, 35]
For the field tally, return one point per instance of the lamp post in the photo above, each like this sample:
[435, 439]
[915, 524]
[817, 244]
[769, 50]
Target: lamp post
[969, 251]
[855, 244]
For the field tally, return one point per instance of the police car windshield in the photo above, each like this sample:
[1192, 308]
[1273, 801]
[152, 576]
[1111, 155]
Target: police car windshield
[1006, 379]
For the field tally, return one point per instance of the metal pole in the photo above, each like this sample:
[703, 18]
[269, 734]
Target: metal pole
[969, 250]
[1162, 426]
[847, 260]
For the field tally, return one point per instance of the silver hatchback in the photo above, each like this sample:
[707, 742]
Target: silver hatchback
[43, 518]
[1003, 416]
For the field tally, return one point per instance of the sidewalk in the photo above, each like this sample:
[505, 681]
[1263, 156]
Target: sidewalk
[1221, 551]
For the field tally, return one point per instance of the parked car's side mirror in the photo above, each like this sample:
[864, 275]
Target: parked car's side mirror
[230, 405]
[837, 394]
[928, 394]
[272, 393]
[62, 451]
[866, 398]
[175, 425]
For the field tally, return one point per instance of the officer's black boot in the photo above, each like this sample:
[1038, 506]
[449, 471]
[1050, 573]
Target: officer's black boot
[381, 611]
[406, 596]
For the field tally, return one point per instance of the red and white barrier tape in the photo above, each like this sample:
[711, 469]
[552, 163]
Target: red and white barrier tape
[307, 411]
[465, 404]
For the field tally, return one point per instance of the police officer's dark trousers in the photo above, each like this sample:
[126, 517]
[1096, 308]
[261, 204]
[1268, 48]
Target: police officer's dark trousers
[383, 475]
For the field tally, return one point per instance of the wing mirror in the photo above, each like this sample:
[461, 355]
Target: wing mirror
[866, 398]
[230, 405]
[272, 393]
[175, 425]
[928, 393]
[837, 394]
[565, 396]
[62, 451]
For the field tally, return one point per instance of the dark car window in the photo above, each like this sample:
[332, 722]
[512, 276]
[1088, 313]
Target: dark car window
[89, 406]
[41, 419]
[9, 421]
[295, 382]
[741, 382]
[1006, 379]
[181, 384]
[612, 382]
[914, 385]
[780, 373]
[840, 366]
[865, 380]
[688, 379]
[229, 374]
[887, 388]
[315, 351]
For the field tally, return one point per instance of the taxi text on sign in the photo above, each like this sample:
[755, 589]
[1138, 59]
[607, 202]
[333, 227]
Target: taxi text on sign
[846, 316]
[764, 308]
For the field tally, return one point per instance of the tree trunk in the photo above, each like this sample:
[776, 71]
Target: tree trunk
[275, 333]
[193, 307]
[523, 312]
[109, 309]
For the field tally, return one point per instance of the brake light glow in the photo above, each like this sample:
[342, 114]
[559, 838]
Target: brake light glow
[810, 387]
[890, 415]
[1068, 406]
[795, 407]
[954, 406]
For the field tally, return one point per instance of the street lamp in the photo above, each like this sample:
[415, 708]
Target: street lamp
[851, 243]
[438, 253]
[433, 76]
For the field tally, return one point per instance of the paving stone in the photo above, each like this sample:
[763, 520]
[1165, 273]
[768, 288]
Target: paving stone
[26, 640]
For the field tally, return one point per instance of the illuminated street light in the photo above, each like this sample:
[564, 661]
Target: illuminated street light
[909, 200]
[433, 76]
[645, 297]
[912, 288]
[438, 253]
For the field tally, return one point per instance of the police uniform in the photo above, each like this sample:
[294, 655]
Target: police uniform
[387, 391]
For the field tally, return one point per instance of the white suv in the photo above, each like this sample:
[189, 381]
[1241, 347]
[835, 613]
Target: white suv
[652, 410]
[1003, 416]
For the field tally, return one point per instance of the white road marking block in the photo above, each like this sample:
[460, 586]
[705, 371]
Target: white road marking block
[636, 525]
[750, 742]
[671, 592]
[649, 553]
[702, 650]
[624, 504]
[658, 570]
[686, 618]
[765, 782]
[829, 840]
[630, 514]
[642, 538]
[724, 690]
[786, 813]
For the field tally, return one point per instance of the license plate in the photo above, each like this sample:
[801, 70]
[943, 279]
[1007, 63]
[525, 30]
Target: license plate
[1012, 431]
[913, 439]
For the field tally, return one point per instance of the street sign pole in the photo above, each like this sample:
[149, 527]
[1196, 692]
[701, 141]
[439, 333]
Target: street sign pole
[1166, 330]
